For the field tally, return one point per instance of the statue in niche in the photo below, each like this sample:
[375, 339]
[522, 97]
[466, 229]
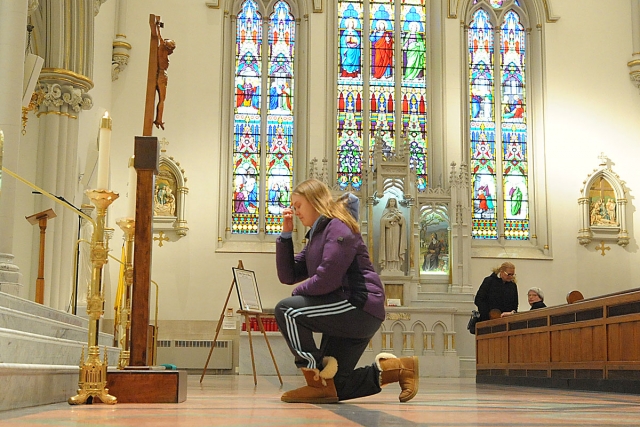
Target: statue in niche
[393, 240]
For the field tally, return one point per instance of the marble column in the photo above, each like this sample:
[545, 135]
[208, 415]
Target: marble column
[65, 81]
[461, 227]
[13, 30]
[121, 47]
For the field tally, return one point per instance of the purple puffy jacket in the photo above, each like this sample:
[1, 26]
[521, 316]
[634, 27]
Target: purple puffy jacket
[335, 260]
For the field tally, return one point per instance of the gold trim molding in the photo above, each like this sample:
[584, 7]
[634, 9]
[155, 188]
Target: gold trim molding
[59, 113]
[65, 75]
[122, 44]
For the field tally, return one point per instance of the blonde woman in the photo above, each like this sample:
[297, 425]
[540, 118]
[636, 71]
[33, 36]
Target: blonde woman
[498, 292]
[337, 294]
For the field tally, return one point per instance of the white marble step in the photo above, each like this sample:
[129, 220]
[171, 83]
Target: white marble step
[26, 306]
[27, 322]
[28, 348]
[40, 350]
[26, 385]
[441, 299]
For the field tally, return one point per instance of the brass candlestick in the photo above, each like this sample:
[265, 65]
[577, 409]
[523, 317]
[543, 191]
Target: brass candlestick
[128, 226]
[93, 373]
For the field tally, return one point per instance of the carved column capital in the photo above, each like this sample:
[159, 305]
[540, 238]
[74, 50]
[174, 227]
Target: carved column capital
[119, 57]
[96, 6]
[634, 73]
[57, 97]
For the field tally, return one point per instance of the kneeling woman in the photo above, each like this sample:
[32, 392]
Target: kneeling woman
[340, 296]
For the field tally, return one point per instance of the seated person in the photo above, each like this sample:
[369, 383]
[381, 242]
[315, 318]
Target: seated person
[536, 298]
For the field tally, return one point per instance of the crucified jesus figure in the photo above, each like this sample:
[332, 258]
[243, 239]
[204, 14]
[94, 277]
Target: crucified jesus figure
[165, 48]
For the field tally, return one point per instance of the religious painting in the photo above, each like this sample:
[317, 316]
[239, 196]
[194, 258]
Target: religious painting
[164, 196]
[603, 207]
[435, 236]
[602, 204]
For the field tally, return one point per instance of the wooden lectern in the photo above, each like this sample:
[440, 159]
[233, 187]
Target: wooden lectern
[41, 219]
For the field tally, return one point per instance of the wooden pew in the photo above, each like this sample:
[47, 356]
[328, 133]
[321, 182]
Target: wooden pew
[593, 344]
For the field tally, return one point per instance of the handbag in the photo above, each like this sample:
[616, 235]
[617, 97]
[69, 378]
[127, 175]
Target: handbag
[471, 326]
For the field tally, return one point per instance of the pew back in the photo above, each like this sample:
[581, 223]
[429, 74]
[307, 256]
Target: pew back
[595, 339]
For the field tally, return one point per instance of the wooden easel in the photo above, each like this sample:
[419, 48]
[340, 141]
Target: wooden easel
[246, 315]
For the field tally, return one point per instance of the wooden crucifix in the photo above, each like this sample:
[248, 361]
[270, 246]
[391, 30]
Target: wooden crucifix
[146, 162]
[137, 383]
[157, 77]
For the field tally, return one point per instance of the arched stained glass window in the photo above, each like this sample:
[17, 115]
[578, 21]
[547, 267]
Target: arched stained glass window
[263, 111]
[381, 91]
[498, 113]
[497, 3]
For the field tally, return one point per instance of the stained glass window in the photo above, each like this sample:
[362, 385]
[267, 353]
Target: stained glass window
[263, 172]
[381, 90]
[499, 177]
[496, 4]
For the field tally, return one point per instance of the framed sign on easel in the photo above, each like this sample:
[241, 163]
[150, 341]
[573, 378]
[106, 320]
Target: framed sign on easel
[247, 287]
[244, 281]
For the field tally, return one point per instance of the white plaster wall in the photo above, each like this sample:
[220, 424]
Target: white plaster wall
[591, 107]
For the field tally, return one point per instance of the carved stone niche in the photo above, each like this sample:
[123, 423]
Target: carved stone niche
[603, 207]
[169, 198]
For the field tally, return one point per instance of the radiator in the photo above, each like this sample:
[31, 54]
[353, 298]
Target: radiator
[193, 354]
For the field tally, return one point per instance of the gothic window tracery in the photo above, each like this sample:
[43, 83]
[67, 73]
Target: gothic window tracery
[498, 120]
[381, 85]
[263, 119]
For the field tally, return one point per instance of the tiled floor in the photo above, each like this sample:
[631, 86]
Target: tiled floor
[229, 400]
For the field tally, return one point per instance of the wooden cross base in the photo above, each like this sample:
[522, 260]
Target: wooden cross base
[148, 386]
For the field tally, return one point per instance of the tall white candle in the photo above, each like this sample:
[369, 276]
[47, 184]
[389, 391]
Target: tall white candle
[131, 197]
[104, 147]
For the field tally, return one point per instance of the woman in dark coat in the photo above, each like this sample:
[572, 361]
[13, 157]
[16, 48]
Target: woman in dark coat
[498, 292]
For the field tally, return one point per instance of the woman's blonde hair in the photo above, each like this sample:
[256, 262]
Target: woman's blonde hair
[503, 267]
[318, 195]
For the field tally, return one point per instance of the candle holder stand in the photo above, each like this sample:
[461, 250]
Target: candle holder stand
[93, 373]
[128, 226]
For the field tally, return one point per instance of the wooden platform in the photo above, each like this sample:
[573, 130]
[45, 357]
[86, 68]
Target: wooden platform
[148, 386]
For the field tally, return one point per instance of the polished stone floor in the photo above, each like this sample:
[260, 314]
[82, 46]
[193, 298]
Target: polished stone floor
[230, 400]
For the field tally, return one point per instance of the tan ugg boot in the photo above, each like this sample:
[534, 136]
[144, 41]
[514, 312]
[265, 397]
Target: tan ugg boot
[404, 370]
[320, 387]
